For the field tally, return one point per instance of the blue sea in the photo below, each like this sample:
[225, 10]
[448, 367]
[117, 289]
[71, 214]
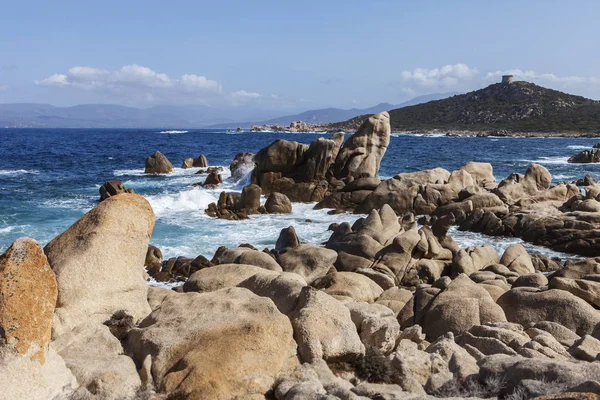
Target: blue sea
[50, 177]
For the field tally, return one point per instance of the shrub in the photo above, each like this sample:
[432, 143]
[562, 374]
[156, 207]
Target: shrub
[120, 324]
[373, 367]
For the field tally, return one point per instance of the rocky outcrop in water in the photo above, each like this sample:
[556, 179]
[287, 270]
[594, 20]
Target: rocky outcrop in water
[158, 163]
[585, 157]
[235, 206]
[308, 173]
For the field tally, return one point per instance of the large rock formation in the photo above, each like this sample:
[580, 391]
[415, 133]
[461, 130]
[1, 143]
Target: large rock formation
[362, 153]
[27, 298]
[220, 345]
[158, 163]
[98, 263]
[297, 170]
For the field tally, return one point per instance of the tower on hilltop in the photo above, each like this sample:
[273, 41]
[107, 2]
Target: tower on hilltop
[507, 79]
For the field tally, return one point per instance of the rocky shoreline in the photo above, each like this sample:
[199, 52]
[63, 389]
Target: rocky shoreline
[389, 307]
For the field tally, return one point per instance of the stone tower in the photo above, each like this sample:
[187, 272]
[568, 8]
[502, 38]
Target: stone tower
[507, 79]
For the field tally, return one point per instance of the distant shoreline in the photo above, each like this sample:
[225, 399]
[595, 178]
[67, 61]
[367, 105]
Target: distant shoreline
[492, 133]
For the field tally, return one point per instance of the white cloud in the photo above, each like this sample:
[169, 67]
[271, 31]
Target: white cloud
[136, 83]
[447, 76]
[246, 95]
[3, 88]
[129, 75]
[462, 78]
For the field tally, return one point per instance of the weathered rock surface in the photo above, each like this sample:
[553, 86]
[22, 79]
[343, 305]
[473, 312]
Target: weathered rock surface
[517, 259]
[28, 294]
[98, 263]
[221, 276]
[349, 284]
[308, 261]
[323, 328]
[23, 378]
[376, 325]
[245, 255]
[462, 305]
[526, 305]
[97, 360]
[361, 155]
[220, 345]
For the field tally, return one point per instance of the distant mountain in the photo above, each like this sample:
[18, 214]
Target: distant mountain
[27, 115]
[31, 115]
[501, 108]
[329, 115]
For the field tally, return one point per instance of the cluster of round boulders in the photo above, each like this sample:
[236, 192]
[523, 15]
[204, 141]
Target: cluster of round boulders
[409, 313]
[236, 206]
[388, 307]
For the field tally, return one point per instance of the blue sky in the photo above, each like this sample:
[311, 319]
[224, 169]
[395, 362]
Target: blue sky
[285, 55]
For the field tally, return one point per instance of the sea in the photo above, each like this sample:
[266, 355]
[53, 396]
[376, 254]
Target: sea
[50, 177]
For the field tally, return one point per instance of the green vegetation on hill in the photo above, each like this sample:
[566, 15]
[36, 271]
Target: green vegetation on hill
[511, 107]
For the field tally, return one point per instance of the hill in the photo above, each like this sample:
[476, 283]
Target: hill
[329, 115]
[501, 108]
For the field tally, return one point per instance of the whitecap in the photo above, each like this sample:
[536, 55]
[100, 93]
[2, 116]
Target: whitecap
[169, 205]
[7, 229]
[173, 131]
[18, 171]
[550, 160]
[129, 172]
[578, 147]
[563, 177]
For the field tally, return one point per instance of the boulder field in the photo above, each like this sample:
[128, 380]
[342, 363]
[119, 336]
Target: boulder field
[342, 176]
[389, 307]
[386, 308]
